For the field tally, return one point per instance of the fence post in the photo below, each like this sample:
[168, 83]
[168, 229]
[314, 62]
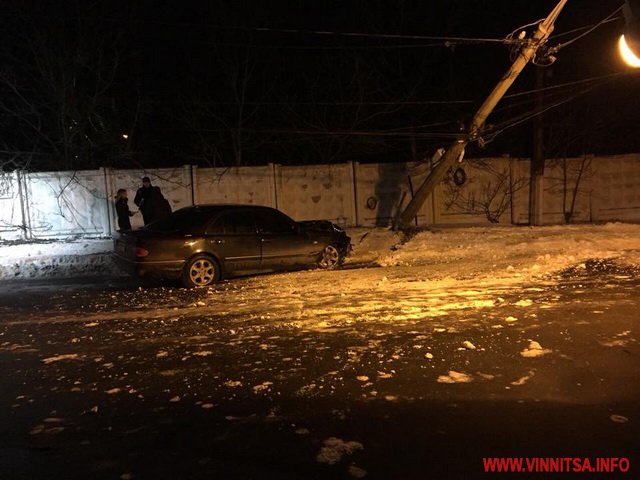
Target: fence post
[354, 190]
[25, 183]
[23, 223]
[193, 170]
[107, 198]
[276, 173]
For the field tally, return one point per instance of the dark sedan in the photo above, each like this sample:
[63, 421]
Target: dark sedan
[202, 244]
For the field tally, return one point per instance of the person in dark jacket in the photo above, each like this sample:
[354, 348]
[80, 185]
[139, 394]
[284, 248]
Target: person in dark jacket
[151, 202]
[122, 210]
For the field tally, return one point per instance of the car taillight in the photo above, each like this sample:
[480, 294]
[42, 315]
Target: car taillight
[141, 252]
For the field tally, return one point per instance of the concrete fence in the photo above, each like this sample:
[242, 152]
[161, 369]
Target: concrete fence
[496, 190]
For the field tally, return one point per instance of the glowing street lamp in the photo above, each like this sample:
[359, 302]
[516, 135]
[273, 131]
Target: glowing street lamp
[627, 54]
[629, 43]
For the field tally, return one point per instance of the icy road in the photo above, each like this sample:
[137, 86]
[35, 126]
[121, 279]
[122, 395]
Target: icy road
[401, 371]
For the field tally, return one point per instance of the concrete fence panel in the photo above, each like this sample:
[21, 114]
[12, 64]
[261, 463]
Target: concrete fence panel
[481, 195]
[12, 223]
[616, 189]
[384, 189]
[585, 189]
[317, 192]
[246, 185]
[66, 203]
[568, 190]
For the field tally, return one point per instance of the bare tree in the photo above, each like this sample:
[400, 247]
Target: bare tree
[574, 174]
[490, 197]
[59, 68]
[223, 114]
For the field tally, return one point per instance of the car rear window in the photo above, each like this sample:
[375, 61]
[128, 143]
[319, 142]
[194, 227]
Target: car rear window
[182, 221]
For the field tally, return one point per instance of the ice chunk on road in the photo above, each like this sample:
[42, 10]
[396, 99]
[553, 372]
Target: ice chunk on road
[468, 345]
[534, 350]
[335, 448]
[357, 472]
[455, 377]
[618, 418]
[523, 380]
[262, 387]
[524, 303]
[58, 358]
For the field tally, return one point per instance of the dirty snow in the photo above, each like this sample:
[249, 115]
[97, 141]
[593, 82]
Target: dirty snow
[334, 449]
[455, 377]
[511, 252]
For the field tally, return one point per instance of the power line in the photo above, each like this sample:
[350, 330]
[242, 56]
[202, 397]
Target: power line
[409, 102]
[339, 47]
[345, 133]
[568, 84]
[594, 27]
[518, 121]
[581, 29]
[451, 40]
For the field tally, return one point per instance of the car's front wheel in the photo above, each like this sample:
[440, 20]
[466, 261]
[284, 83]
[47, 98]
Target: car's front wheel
[200, 271]
[330, 258]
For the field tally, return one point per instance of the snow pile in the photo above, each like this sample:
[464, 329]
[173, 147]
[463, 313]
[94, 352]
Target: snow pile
[57, 259]
[370, 243]
[516, 251]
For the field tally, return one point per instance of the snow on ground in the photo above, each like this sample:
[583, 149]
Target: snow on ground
[522, 252]
[56, 259]
[507, 252]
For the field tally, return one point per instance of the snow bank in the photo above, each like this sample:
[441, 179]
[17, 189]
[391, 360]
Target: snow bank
[55, 259]
[369, 244]
[518, 252]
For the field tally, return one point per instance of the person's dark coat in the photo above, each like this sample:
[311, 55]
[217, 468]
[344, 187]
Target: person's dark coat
[152, 204]
[123, 212]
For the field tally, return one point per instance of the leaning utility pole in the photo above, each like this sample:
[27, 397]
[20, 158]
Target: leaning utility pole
[456, 150]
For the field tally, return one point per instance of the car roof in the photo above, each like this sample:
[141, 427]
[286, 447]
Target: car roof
[213, 207]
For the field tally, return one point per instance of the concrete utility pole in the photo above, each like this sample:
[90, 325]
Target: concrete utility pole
[456, 150]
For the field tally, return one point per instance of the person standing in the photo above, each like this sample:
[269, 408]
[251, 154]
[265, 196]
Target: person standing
[151, 202]
[122, 210]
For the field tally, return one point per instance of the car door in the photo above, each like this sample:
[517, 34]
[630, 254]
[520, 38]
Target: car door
[283, 244]
[232, 236]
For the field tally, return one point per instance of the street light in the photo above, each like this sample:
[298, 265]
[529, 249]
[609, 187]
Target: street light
[629, 43]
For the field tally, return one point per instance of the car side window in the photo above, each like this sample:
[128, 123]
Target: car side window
[272, 221]
[233, 223]
[216, 227]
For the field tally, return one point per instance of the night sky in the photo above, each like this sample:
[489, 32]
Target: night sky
[221, 83]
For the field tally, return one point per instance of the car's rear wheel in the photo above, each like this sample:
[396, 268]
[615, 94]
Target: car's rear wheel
[200, 271]
[330, 258]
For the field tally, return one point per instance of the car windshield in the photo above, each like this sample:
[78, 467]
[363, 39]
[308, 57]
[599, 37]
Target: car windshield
[182, 221]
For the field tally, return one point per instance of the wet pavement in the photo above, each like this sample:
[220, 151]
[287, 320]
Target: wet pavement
[375, 373]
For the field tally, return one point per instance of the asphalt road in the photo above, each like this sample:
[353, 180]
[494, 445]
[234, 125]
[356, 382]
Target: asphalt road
[375, 373]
